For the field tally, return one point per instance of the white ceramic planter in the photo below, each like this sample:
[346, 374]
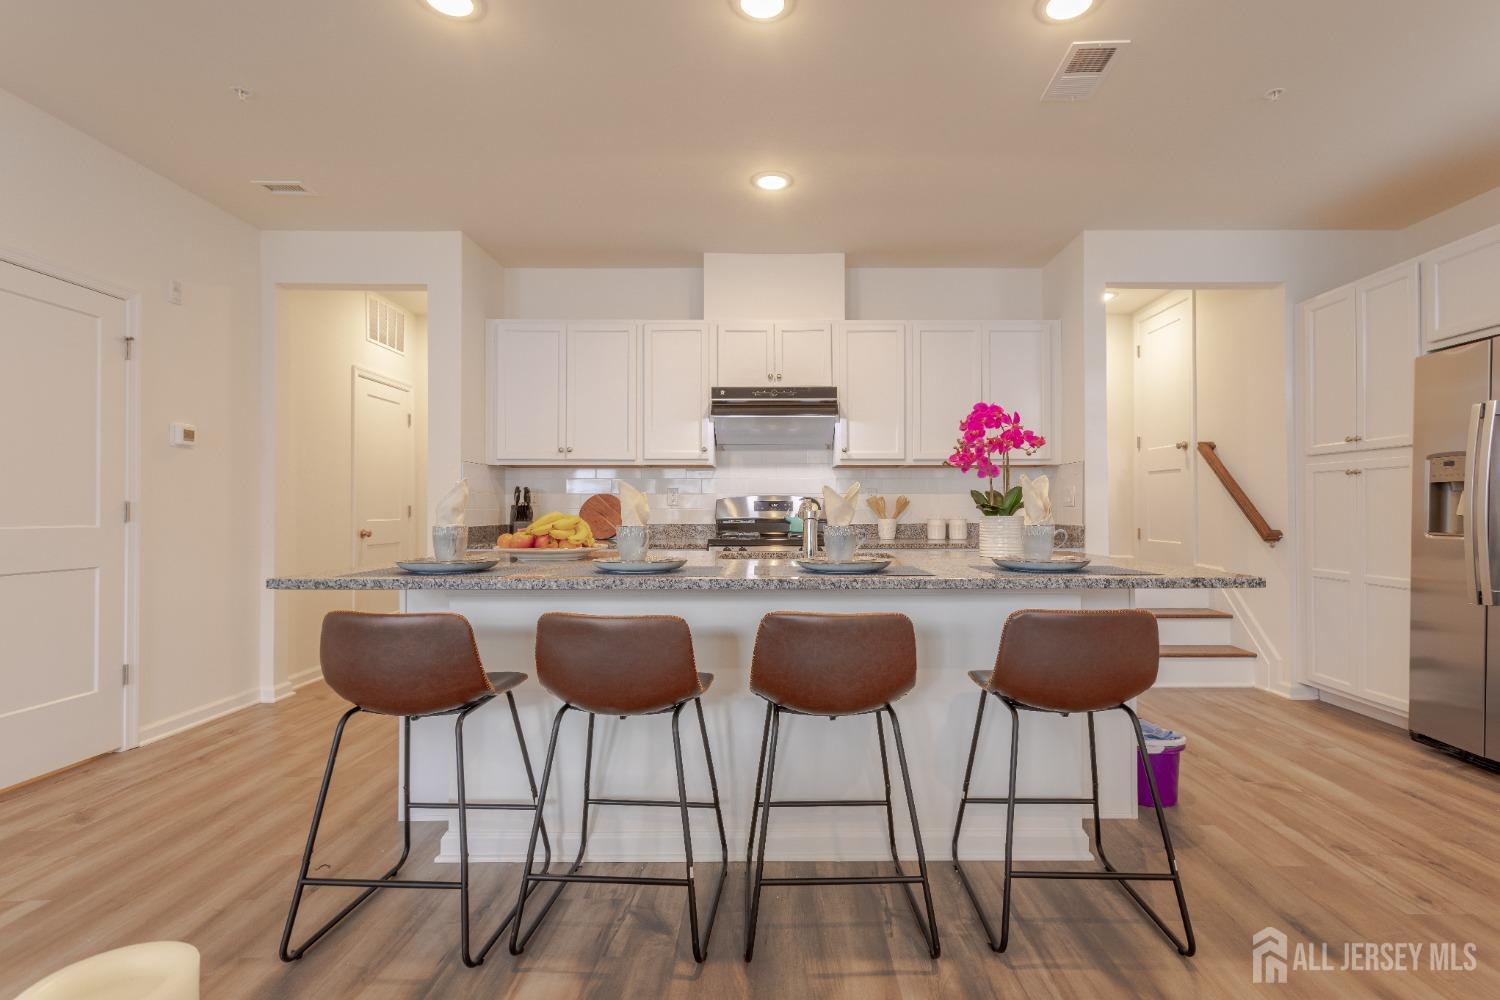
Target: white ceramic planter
[1000, 537]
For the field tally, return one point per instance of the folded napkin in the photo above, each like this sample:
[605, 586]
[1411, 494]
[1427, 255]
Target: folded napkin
[450, 510]
[635, 509]
[1035, 494]
[838, 508]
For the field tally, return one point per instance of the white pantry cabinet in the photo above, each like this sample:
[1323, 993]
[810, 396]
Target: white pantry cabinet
[1358, 571]
[869, 360]
[1022, 368]
[947, 379]
[678, 361]
[1460, 290]
[1359, 344]
[564, 393]
[755, 352]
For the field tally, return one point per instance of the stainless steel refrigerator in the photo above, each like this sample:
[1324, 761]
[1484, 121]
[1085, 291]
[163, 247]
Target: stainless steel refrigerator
[1455, 564]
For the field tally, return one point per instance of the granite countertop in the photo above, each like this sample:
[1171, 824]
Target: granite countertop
[914, 570]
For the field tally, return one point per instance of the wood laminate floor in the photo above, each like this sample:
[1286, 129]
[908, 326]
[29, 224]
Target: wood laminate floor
[1295, 815]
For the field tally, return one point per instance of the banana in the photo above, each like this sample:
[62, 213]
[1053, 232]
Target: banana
[561, 533]
[544, 524]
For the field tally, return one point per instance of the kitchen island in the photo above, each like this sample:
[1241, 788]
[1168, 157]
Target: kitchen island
[958, 602]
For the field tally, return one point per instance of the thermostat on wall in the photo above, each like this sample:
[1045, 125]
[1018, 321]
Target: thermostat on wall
[183, 435]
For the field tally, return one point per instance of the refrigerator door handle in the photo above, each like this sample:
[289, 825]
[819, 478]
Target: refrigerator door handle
[1480, 467]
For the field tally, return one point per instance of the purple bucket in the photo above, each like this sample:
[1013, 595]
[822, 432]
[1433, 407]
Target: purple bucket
[1164, 765]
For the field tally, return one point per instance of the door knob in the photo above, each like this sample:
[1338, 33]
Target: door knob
[365, 533]
[1182, 446]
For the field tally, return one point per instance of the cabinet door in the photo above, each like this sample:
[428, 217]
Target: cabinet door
[1329, 330]
[677, 360]
[1384, 626]
[871, 378]
[601, 397]
[947, 380]
[1019, 374]
[1333, 602]
[1459, 292]
[747, 354]
[804, 353]
[527, 361]
[1388, 345]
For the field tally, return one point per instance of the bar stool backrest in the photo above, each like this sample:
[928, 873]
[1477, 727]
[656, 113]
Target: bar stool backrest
[1076, 661]
[616, 664]
[833, 664]
[402, 664]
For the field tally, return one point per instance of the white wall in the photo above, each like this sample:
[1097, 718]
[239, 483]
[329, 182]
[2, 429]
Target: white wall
[1468, 217]
[945, 293]
[75, 205]
[320, 340]
[603, 293]
[1120, 413]
[1063, 299]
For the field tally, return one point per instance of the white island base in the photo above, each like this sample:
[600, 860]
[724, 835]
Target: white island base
[957, 631]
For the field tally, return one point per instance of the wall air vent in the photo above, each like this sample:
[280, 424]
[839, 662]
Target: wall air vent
[385, 323]
[1082, 70]
[284, 187]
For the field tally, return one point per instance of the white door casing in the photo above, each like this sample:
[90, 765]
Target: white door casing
[1164, 407]
[63, 536]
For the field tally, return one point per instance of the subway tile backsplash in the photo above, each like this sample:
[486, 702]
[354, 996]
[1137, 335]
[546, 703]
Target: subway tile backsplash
[687, 495]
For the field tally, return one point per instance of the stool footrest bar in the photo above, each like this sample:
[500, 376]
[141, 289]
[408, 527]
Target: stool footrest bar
[1002, 801]
[375, 883]
[815, 803]
[1099, 876]
[844, 880]
[606, 879]
[523, 806]
[659, 803]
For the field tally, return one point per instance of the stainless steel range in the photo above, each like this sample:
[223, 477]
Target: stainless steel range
[763, 523]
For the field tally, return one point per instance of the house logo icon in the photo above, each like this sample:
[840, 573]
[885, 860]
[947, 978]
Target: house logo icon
[1268, 956]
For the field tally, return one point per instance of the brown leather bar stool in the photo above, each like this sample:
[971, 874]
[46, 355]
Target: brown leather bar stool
[622, 666]
[1065, 662]
[416, 666]
[834, 665]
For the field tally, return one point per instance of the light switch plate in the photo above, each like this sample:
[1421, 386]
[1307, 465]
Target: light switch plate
[182, 435]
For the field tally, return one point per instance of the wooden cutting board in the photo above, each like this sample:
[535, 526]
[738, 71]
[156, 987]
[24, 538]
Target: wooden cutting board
[602, 512]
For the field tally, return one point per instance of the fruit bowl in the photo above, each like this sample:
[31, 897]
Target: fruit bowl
[548, 535]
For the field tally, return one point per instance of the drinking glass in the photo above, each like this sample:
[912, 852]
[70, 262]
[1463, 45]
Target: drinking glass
[631, 540]
[1038, 541]
[840, 542]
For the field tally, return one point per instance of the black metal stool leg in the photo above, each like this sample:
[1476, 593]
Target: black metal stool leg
[929, 930]
[890, 824]
[289, 954]
[515, 718]
[463, 840]
[958, 825]
[700, 947]
[1010, 823]
[517, 943]
[1189, 947]
[713, 784]
[765, 824]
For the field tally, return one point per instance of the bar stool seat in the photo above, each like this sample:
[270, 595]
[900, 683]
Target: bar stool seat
[1063, 662]
[836, 665]
[414, 666]
[623, 666]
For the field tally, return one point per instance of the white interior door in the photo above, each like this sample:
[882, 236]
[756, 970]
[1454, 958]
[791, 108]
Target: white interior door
[62, 524]
[1164, 430]
[384, 479]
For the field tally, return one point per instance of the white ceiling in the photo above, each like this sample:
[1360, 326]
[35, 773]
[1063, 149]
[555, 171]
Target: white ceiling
[625, 133]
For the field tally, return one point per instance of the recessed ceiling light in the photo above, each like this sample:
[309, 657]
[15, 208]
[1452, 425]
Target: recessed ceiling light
[772, 181]
[762, 10]
[1064, 10]
[463, 10]
[1107, 296]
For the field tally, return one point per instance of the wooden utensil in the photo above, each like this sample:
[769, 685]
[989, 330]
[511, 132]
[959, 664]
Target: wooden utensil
[901, 504]
[602, 513]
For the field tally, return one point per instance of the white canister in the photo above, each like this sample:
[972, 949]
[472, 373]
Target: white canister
[885, 527]
[958, 529]
[1001, 536]
[937, 529]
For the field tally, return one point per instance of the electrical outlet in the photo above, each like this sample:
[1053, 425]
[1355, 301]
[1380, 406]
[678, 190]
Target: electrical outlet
[1070, 497]
[674, 497]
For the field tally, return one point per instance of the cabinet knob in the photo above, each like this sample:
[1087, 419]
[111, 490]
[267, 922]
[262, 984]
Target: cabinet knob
[770, 376]
[1353, 472]
[778, 376]
[703, 448]
[846, 449]
[570, 451]
[365, 533]
[1350, 439]
[560, 449]
[1182, 446]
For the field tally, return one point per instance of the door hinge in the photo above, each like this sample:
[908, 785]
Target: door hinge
[408, 510]
[408, 420]
[129, 348]
[1137, 534]
[127, 512]
[1137, 442]
[124, 673]
[1137, 350]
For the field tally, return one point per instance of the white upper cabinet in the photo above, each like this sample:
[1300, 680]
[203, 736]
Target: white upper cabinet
[870, 373]
[947, 379]
[527, 364]
[563, 392]
[1359, 344]
[1461, 295]
[601, 392]
[753, 352]
[1388, 346]
[747, 353]
[678, 363]
[804, 353]
[1021, 371]
[1329, 326]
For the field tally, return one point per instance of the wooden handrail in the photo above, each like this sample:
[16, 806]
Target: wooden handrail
[1210, 455]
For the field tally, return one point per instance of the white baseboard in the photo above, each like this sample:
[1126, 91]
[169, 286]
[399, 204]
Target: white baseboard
[1294, 692]
[1358, 707]
[287, 688]
[182, 721]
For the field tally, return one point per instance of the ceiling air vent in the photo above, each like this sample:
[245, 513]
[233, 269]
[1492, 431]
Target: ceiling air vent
[284, 187]
[1082, 69]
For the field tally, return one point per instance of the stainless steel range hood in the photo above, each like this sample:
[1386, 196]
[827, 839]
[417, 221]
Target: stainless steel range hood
[774, 416]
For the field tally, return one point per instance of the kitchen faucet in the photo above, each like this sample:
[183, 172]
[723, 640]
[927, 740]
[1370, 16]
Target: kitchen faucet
[811, 512]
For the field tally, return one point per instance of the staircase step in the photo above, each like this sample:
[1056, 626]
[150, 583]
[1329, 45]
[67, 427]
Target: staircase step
[1212, 652]
[1188, 612]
